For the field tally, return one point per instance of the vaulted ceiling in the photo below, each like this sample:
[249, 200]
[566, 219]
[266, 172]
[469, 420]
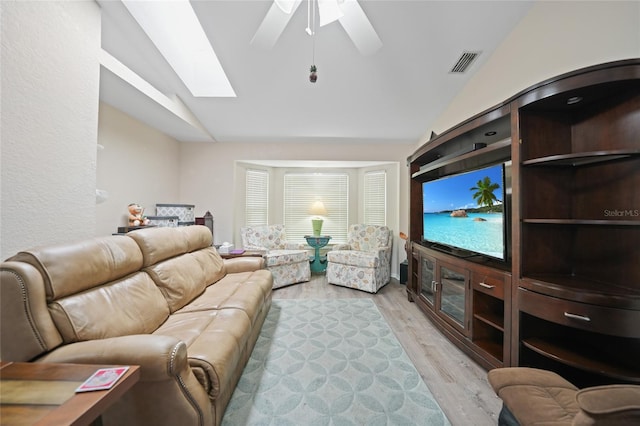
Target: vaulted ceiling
[392, 95]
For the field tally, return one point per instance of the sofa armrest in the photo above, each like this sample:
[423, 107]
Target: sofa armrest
[168, 392]
[160, 357]
[608, 405]
[243, 264]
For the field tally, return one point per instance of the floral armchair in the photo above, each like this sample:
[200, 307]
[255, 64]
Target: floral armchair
[288, 262]
[364, 263]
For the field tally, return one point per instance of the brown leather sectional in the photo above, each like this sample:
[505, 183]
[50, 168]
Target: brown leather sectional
[161, 298]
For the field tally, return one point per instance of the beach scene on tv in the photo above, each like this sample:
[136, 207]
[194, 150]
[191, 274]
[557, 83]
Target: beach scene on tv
[466, 211]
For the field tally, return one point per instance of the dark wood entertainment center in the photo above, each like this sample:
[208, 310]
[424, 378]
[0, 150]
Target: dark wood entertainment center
[567, 298]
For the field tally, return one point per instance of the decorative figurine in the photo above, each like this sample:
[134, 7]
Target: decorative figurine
[136, 217]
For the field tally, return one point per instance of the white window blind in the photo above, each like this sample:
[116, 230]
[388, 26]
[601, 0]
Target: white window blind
[257, 198]
[375, 197]
[301, 190]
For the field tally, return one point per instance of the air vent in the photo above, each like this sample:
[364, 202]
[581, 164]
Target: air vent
[465, 61]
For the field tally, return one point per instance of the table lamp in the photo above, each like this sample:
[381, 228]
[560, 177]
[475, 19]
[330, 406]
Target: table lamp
[317, 209]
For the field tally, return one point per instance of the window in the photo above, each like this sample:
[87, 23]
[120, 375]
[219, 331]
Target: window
[256, 198]
[301, 190]
[375, 197]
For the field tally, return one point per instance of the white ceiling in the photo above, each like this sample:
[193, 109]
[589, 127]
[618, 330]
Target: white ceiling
[391, 96]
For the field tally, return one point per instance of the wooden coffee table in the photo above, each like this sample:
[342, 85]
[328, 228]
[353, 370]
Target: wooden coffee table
[44, 393]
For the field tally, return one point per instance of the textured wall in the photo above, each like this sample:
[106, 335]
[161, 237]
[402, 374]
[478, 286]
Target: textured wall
[49, 103]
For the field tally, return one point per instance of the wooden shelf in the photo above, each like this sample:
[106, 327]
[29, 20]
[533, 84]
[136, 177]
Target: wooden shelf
[497, 151]
[490, 318]
[586, 222]
[582, 159]
[583, 289]
[583, 357]
[491, 347]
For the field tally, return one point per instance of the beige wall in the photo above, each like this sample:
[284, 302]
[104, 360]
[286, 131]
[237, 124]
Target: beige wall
[555, 37]
[137, 165]
[49, 103]
[208, 172]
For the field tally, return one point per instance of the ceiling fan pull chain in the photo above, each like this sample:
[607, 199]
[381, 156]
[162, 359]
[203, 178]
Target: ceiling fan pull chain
[311, 30]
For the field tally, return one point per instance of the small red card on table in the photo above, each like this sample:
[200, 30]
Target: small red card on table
[102, 379]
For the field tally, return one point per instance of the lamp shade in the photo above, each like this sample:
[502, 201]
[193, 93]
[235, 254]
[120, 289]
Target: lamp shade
[318, 209]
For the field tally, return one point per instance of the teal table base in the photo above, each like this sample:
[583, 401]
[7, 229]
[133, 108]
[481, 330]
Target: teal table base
[317, 263]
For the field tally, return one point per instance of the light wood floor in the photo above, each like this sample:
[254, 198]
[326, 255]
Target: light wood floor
[459, 384]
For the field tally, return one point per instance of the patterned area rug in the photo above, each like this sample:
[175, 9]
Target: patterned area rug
[330, 362]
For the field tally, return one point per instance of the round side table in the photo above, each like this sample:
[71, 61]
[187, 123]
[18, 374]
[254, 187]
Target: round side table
[318, 263]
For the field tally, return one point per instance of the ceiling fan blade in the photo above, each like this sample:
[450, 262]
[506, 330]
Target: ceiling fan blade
[329, 11]
[358, 27]
[273, 25]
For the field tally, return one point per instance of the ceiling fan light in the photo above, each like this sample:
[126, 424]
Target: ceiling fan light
[329, 11]
[285, 5]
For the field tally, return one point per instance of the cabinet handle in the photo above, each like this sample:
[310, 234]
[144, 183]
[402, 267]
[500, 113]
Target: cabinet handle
[577, 317]
[486, 285]
[434, 286]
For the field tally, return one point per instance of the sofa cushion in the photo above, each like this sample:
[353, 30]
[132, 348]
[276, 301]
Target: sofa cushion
[236, 291]
[74, 267]
[159, 243]
[131, 305]
[216, 343]
[184, 277]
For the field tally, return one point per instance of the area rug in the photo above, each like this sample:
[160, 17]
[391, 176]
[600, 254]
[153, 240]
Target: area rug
[330, 362]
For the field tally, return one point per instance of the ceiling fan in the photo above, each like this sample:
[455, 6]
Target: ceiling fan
[347, 12]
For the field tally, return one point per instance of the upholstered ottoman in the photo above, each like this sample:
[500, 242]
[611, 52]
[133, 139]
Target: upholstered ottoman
[288, 266]
[534, 397]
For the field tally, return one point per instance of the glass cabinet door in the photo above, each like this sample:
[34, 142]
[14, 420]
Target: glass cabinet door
[452, 294]
[428, 280]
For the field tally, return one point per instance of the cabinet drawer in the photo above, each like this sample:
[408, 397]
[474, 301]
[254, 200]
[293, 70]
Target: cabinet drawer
[592, 318]
[490, 283]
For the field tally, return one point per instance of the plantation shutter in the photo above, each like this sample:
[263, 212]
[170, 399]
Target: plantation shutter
[301, 190]
[375, 198]
[257, 198]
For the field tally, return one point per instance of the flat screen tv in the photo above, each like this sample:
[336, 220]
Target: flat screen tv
[463, 214]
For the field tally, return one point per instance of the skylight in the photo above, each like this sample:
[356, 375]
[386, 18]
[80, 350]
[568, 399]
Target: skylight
[175, 30]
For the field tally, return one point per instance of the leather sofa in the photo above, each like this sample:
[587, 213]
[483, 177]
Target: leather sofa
[160, 298]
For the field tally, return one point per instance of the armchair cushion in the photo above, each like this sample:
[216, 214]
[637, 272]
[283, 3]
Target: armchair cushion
[356, 258]
[286, 257]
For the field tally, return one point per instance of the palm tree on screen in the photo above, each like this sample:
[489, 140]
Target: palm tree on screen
[484, 195]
